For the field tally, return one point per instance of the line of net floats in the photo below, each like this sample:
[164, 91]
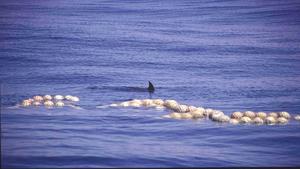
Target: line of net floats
[182, 111]
[50, 101]
[178, 111]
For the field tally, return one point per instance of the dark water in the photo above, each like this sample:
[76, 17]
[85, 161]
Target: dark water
[227, 55]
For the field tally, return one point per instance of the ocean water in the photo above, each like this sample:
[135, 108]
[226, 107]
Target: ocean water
[230, 55]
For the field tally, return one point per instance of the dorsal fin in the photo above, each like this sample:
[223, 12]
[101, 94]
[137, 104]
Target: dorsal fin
[151, 87]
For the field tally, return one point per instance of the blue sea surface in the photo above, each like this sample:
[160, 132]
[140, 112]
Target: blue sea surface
[231, 55]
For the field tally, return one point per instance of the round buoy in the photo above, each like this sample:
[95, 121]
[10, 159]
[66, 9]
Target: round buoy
[270, 120]
[26, 103]
[258, 120]
[68, 97]
[191, 108]
[36, 103]
[74, 99]
[47, 97]
[186, 116]
[48, 103]
[208, 112]
[59, 104]
[297, 117]
[148, 102]
[38, 98]
[216, 115]
[245, 119]
[135, 103]
[250, 114]
[124, 104]
[273, 114]
[175, 115]
[261, 115]
[224, 119]
[182, 108]
[285, 114]
[237, 115]
[59, 97]
[171, 104]
[197, 114]
[282, 120]
[159, 102]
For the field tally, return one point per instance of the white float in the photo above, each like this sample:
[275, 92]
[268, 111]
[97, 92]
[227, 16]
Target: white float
[181, 108]
[224, 119]
[159, 102]
[175, 115]
[192, 108]
[186, 116]
[68, 97]
[282, 120]
[297, 117]
[245, 119]
[197, 114]
[258, 120]
[125, 104]
[237, 115]
[74, 99]
[48, 103]
[36, 103]
[59, 97]
[47, 97]
[148, 103]
[270, 120]
[216, 115]
[250, 114]
[285, 115]
[171, 104]
[261, 115]
[38, 98]
[26, 103]
[207, 112]
[59, 104]
[273, 114]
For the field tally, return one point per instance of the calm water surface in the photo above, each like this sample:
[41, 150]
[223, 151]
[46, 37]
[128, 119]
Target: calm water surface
[227, 55]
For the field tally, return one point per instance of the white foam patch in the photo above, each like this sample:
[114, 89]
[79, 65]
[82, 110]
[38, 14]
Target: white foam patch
[103, 106]
[14, 107]
[75, 107]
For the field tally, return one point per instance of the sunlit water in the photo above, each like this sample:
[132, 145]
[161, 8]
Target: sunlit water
[233, 55]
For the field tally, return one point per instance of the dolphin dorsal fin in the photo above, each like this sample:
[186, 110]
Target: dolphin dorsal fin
[151, 87]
